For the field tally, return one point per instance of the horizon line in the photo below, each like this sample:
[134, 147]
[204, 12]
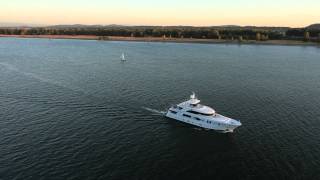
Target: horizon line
[18, 24]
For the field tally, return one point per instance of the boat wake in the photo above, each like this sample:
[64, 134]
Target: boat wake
[197, 129]
[36, 77]
[154, 111]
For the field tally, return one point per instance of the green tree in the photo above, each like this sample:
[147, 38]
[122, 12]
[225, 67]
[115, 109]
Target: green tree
[214, 34]
[264, 37]
[306, 36]
[24, 32]
[240, 38]
[258, 36]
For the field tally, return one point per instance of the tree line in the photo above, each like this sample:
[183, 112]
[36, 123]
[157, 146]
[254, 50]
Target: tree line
[233, 33]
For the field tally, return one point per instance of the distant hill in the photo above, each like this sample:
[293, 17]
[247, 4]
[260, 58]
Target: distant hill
[10, 24]
[314, 26]
[76, 26]
[67, 26]
[229, 26]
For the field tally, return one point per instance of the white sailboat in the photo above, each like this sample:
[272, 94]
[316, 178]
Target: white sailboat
[122, 58]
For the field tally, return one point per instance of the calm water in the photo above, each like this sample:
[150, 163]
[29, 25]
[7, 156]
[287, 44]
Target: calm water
[69, 109]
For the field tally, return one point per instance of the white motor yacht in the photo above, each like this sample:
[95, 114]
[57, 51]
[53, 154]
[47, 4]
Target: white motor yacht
[192, 112]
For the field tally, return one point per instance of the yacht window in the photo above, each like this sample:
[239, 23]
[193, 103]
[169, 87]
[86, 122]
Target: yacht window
[198, 119]
[194, 112]
[187, 115]
[174, 112]
[180, 108]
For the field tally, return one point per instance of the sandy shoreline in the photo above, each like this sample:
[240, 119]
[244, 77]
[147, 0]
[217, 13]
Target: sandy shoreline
[157, 39]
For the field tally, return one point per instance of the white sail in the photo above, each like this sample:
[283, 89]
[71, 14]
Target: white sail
[122, 57]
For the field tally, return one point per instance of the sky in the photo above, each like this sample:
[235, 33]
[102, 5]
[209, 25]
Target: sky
[292, 13]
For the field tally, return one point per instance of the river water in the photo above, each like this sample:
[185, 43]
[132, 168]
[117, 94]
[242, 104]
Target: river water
[69, 109]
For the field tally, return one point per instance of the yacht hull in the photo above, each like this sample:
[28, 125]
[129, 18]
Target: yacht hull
[203, 122]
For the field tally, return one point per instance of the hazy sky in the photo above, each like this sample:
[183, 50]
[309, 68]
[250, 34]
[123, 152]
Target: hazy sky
[294, 13]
